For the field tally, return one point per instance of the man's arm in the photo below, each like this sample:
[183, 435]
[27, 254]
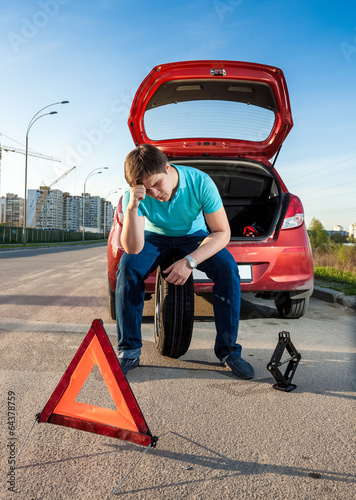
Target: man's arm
[132, 236]
[219, 237]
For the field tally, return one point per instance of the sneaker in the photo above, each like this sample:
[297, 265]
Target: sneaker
[240, 367]
[128, 364]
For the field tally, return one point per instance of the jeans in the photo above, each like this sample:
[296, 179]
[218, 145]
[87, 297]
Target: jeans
[133, 269]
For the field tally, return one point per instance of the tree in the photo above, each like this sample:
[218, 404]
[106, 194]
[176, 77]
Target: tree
[317, 234]
[338, 238]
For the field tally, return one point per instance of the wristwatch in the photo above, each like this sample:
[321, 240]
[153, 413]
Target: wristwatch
[192, 263]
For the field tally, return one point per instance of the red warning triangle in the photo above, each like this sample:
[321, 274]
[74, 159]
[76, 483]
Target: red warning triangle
[126, 422]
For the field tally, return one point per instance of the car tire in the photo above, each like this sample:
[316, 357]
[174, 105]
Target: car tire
[291, 308]
[174, 316]
[111, 304]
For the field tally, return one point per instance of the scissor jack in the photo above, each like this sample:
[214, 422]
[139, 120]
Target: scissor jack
[284, 381]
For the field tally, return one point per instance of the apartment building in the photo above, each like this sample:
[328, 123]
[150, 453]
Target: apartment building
[72, 212]
[352, 230]
[2, 209]
[14, 209]
[51, 214]
[95, 212]
[59, 211]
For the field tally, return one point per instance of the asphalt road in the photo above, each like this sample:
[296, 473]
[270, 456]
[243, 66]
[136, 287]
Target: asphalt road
[219, 437]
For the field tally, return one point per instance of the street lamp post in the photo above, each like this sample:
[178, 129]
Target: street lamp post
[93, 172]
[36, 117]
[107, 196]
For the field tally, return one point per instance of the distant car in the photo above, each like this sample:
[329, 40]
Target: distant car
[228, 119]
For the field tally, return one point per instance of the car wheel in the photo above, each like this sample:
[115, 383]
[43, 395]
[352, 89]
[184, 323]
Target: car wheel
[291, 308]
[111, 304]
[174, 316]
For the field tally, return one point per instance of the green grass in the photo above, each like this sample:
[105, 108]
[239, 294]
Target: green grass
[330, 277]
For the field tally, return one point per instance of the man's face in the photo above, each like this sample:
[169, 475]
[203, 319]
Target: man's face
[160, 186]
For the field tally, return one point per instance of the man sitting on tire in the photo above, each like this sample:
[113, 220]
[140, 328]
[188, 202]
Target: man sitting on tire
[164, 212]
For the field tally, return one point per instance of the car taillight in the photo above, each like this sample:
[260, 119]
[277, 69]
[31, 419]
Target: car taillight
[119, 214]
[295, 213]
[120, 219]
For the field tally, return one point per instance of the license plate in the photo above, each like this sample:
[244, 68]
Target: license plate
[245, 271]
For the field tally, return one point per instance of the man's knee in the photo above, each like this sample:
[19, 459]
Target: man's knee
[134, 265]
[224, 264]
[129, 260]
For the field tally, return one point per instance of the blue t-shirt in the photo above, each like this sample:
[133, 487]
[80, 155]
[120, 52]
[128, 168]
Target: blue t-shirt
[183, 214]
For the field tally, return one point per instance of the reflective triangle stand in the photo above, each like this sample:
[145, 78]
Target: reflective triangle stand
[284, 380]
[126, 422]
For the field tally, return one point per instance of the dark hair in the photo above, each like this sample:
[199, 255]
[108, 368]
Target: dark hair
[144, 161]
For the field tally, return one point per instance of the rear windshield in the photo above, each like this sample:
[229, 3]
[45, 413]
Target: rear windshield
[212, 119]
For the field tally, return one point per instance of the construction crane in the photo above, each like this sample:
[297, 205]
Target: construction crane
[22, 151]
[44, 195]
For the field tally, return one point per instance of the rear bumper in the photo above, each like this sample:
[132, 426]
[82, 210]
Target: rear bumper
[276, 266]
[265, 278]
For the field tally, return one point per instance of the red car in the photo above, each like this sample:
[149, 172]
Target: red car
[228, 119]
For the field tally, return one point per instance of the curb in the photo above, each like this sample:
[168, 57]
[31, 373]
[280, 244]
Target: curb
[334, 297]
[19, 246]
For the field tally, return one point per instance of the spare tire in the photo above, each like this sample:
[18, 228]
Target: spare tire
[174, 316]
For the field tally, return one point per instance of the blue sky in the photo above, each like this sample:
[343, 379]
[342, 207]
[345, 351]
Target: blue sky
[95, 54]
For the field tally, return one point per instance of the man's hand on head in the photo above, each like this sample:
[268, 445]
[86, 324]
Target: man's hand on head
[137, 193]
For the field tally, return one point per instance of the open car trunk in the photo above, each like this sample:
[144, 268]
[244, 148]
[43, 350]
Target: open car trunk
[250, 192]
